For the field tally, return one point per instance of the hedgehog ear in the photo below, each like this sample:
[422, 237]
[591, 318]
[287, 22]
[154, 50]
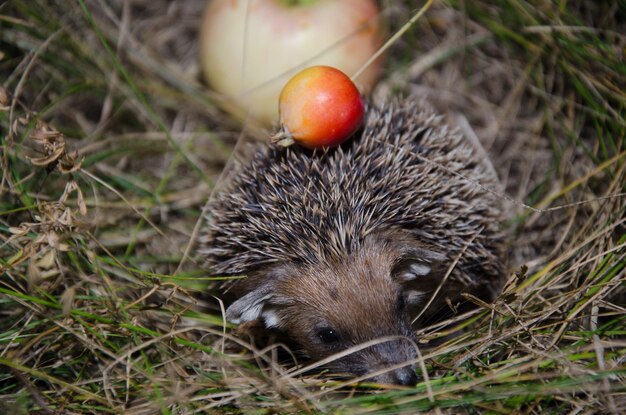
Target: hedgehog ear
[418, 271]
[261, 303]
[250, 306]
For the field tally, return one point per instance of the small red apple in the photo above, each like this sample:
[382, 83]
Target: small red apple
[250, 48]
[320, 107]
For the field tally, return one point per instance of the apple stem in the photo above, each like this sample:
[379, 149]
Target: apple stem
[286, 142]
[282, 137]
[296, 3]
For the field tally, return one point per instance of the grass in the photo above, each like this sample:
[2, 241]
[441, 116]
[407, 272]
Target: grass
[111, 146]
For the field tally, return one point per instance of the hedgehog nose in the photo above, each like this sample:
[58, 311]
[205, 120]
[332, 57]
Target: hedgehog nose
[405, 376]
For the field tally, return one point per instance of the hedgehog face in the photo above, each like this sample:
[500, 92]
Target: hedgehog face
[340, 309]
[336, 306]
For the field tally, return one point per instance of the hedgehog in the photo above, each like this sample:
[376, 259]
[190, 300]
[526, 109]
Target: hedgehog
[348, 245]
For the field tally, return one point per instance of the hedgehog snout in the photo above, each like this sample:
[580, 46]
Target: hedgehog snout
[404, 376]
[392, 353]
[385, 362]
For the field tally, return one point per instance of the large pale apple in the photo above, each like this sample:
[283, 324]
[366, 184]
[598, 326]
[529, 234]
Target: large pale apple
[250, 48]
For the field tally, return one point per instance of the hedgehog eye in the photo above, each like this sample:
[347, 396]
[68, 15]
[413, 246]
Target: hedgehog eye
[328, 335]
